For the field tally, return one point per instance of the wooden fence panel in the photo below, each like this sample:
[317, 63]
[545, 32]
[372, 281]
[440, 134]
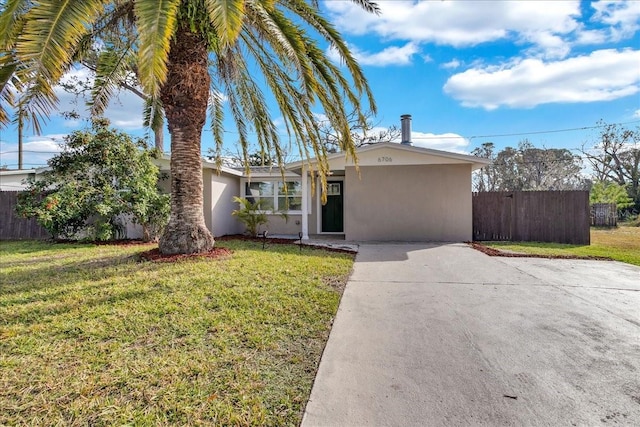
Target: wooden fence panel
[12, 227]
[542, 216]
[604, 215]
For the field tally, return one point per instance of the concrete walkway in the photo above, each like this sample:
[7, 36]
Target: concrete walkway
[432, 334]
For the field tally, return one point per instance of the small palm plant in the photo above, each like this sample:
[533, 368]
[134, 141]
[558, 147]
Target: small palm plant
[252, 214]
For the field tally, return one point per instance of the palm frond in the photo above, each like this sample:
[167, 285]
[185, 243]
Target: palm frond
[156, 22]
[51, 31]
[315, 20]
[227, 17]
[11, 15]
[153, 114]
[111, 70]
[216, 117]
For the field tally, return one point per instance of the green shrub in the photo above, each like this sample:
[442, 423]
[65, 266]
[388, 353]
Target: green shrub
[250, 214]
[101, 177]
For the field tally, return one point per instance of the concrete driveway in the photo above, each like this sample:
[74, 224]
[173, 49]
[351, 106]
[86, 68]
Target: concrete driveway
[431, 334]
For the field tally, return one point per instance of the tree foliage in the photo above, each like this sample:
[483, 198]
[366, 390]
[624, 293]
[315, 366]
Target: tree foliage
[195, 56]
[101, 177]
[610, 192]
[528, 168]
[615, 158]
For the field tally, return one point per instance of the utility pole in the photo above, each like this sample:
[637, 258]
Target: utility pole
[20, 126]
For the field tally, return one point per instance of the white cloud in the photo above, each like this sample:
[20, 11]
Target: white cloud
[623, 17]
[547, 45]
[603, 75]
[392, 55]
[636, 114]
[462, 24]
[36, 150]
[451, 65]
[446, 141]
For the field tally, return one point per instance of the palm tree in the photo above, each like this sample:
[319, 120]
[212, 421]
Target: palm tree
[193, 55]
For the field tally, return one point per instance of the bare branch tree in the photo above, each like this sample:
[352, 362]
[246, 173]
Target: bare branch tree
[361, 135]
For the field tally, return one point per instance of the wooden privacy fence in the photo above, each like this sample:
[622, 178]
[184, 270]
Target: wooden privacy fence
[604, 215]
[532, 216]
[13, 227]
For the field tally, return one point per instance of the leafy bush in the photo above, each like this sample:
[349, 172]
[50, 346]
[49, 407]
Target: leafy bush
[101, 176]
[251, 214]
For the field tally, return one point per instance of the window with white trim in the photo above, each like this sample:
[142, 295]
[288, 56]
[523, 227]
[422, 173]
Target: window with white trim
[276, 196]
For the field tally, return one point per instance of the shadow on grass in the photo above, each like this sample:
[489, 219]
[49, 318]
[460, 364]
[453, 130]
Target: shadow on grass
[40, 314]
[35, 246]
[101, 268]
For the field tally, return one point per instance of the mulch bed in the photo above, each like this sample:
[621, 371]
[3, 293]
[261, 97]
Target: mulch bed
[496, 252]
[217, 252]
[280, 241]
[270, 240]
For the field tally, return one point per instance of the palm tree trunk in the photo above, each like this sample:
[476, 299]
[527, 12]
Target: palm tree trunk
[185, 97]
[158, 137]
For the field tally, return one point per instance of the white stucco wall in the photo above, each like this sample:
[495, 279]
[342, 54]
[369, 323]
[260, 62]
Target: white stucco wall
[219, 191]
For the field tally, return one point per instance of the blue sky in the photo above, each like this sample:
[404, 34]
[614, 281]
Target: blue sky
[465, 70]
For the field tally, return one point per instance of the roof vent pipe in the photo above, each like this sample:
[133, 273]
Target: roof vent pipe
[405, 122]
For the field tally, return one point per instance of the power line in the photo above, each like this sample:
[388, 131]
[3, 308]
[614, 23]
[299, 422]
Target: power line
[29, 151]
[553, 131]
[539, 132]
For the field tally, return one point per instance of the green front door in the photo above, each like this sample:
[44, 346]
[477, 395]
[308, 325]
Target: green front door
[332, 213]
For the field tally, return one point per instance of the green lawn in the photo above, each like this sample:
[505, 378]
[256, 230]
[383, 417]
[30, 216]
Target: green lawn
[89, 335]
[621, 244]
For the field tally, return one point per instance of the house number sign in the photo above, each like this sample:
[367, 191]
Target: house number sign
[385, 159]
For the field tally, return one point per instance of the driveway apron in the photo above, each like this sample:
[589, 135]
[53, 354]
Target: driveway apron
[440, 334]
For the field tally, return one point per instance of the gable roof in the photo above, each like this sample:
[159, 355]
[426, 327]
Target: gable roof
[390, 153]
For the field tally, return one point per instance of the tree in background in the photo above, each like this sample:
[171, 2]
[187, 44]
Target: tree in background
[486, 178]
[235, 159]
[528, 168]
[360, 133]
[101, 176]
[195, 55]
[615, 158]
[610, 192]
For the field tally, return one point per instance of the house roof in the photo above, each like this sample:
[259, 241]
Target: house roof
[164, 162]
[390, 153]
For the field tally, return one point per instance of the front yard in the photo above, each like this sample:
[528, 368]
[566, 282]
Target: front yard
[620, 244]
[90, 335]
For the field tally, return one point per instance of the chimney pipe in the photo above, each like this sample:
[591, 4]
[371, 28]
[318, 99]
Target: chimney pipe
[405, 123]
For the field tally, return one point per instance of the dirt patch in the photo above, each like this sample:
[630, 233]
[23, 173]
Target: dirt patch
[496, 252]
[154, 255]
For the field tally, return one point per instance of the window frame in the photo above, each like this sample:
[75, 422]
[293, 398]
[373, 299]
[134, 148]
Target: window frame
[276, 182]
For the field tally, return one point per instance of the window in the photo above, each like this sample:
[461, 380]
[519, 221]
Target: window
[276, 196]
[261, 190]
[290, 196]
[333, 189]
